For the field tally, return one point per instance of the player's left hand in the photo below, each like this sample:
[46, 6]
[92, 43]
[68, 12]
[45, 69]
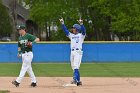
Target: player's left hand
[61, 20]
[19, 55]
[29, 44]
[80, 21]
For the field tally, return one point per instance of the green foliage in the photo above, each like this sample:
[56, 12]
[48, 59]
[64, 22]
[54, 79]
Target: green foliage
[51, 11]
[44, 13]
[119, 17]
[124, 16]
[127, 18]
[58, 35]
[5, 22]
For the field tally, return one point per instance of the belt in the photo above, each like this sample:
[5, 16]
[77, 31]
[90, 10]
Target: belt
[75, 49]
[26, 51]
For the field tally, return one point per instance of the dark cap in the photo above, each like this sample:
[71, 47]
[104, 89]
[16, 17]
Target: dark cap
[20, 27]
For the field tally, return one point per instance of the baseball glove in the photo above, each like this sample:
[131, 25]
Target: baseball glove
[29, 44]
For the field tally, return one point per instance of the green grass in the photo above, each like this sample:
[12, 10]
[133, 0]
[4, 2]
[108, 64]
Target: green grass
[87, 69]
[4, 91]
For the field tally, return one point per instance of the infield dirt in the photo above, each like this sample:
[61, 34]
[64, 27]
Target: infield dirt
[90, 85]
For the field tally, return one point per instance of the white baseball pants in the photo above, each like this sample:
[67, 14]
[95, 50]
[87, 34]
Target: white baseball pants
[76, 58]
[26, 67]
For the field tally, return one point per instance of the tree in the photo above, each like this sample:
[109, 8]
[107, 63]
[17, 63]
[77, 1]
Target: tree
[45, 13]
[5, 22]
[119, 17]
[104, 19]
[127, 20]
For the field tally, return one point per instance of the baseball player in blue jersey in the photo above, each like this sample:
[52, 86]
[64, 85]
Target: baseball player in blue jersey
[77, 37]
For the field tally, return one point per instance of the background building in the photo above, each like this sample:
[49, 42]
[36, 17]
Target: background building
[17, 13]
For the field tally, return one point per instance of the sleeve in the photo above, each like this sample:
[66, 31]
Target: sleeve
[83, 29]
[19, 45]
[65, 30]
[32, 37]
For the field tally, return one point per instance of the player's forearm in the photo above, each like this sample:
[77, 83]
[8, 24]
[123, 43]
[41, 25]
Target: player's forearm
[66, 31]
[83, 29]
[19, 50]
[37, 40]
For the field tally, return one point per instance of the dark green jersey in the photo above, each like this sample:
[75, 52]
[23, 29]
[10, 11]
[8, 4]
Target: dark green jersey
[23, 41]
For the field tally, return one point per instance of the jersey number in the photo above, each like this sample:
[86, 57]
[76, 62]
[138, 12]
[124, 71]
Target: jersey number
[77, 40]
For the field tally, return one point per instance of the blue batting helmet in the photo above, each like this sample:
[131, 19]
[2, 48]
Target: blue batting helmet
[77, 26]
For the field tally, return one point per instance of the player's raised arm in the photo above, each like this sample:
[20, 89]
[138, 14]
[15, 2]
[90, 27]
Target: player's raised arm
[64, 27]
[83, 29]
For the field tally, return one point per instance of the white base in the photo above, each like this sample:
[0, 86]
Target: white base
[69, 85]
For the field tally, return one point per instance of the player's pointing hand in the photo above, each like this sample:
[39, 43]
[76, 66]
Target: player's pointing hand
[61, 20]
[80, 21]
[19, 55]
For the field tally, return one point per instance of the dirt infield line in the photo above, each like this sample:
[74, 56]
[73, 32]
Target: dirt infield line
[90, 85]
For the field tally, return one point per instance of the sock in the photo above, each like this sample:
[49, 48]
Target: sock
[76, 75]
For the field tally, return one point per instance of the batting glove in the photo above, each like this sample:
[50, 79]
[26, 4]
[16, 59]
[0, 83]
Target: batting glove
[80, 21]
[61, 20]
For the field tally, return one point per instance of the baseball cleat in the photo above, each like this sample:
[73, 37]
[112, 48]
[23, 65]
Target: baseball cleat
[15, 83]
[33, 84]
[73, 82]
[79, 83]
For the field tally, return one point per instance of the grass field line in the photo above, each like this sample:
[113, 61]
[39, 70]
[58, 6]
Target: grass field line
[64, 69]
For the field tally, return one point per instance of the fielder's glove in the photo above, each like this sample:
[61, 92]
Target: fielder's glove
[29, 44]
